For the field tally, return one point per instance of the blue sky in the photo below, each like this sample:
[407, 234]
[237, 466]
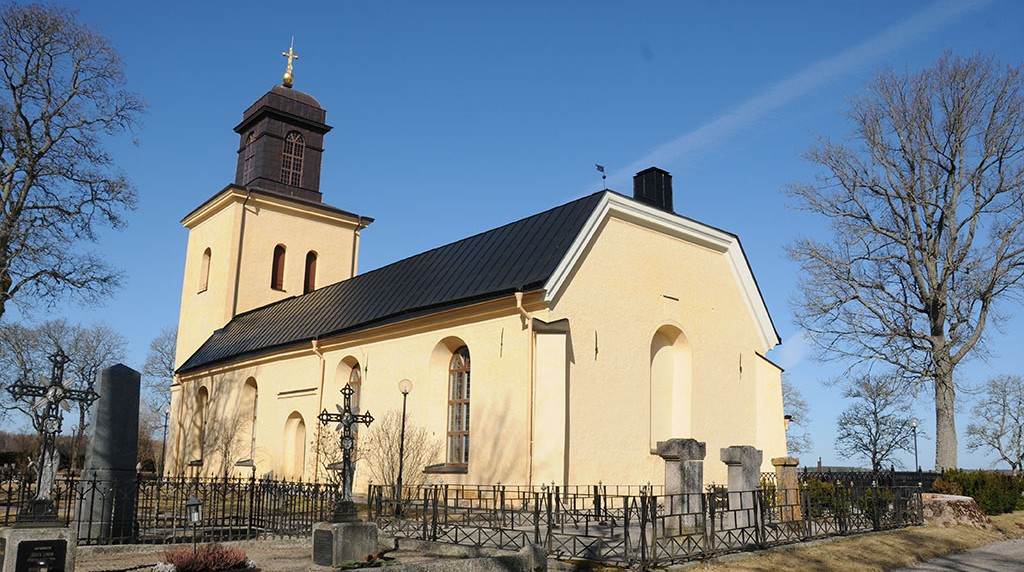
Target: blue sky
[452, 118]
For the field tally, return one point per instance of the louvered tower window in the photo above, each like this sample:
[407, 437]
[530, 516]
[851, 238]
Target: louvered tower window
[291, 161]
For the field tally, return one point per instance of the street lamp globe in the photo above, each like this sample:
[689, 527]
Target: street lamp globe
[405, 386]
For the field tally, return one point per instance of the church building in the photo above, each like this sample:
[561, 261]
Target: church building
[588, 332]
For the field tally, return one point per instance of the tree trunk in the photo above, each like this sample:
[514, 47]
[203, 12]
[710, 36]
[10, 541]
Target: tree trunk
[945, 422]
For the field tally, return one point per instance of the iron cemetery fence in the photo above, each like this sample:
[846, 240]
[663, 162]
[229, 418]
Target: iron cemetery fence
[232, 509]
[634, 525]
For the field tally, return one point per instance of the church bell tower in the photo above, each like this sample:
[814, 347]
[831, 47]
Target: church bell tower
[269, 235]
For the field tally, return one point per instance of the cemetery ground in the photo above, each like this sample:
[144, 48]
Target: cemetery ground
[870, 552]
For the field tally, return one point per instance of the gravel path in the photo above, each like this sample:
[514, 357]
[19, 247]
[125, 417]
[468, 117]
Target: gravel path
[270, 555]
[1006, 555]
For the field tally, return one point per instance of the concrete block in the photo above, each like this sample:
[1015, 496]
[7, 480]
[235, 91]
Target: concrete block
[338, 543]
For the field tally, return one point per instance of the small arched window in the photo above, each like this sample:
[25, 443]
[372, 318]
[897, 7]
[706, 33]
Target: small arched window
[204, 271]
[291, 160]
[250, 157]
[277, 268]
[309, 283]
[458, 407]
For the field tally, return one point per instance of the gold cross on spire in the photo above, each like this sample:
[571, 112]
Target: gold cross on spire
[290, 54]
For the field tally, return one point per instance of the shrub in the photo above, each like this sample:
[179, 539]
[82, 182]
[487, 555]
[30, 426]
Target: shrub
[209, 558]
[821, 497]
[994, 492]
[944, 487]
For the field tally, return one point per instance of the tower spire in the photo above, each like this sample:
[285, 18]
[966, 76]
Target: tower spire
[290, 54]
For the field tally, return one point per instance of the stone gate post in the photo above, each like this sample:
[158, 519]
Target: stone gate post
[787, 493]
[684, 479]
[744, 465]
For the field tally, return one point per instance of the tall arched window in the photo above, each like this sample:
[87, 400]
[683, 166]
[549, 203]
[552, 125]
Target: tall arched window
[294, 446]
[458, 407]
[250, 157]
[355, 379]
[247, 414]
[670, 396]
[277, 268]
[291, 160]
[202, 406]
[309, 283]
[204, 271]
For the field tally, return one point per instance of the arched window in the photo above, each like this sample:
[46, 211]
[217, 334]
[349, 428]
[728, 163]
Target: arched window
[291, 160]
[458, 407]
[277, 268]
[250, 157]
[294, 446]
[202, 405]
[204, 271]
[247, 413]
[670, 396]
[309, 283]
[355, 379]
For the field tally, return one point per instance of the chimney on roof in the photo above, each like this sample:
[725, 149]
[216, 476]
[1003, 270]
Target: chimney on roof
[653, 186]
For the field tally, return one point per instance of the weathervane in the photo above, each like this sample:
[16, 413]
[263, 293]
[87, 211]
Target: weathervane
[604, 178]
[290, 54]
[47, 418]
[345, 509]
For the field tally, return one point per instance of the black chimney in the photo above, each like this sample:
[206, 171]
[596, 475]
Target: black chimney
[654, 187]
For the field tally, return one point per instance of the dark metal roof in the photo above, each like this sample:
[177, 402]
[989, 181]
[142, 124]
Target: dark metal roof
[519, 256]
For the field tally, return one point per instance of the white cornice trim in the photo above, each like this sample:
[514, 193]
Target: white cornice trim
[682, 228]
[234, 195]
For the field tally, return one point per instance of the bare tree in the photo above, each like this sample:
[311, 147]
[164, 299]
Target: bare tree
[999, 421]
[158, 371]
[878, 423]
[798, 441]
[61, 95]
[927, 220]
[19, 359]
[379, 446]
[24, 353]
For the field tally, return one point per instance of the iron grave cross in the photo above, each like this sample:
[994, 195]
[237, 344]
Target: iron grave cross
[47, 419]
[345, 509]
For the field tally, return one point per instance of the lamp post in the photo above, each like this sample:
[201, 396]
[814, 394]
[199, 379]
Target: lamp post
[913, 426]
[405, 386]
[163, 448]
[194, 508]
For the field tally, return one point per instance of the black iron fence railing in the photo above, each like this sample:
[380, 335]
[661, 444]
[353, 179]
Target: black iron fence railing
[232, 509]
[867, 478]
[637, 527]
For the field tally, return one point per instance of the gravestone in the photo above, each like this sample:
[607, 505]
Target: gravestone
[744, 466]
[787, 493]
[38, 541]
[107, 488]
[684, 479]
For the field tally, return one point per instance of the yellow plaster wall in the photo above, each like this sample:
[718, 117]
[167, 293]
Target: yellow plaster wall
[633, 281]
[235, 224]
[267, 225]
[499, 399]
[204, 312]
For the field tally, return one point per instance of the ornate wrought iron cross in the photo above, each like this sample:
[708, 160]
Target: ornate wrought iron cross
[345, 509]
[47, 418]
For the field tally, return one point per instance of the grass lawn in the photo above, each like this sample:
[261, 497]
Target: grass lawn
[875, 552]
